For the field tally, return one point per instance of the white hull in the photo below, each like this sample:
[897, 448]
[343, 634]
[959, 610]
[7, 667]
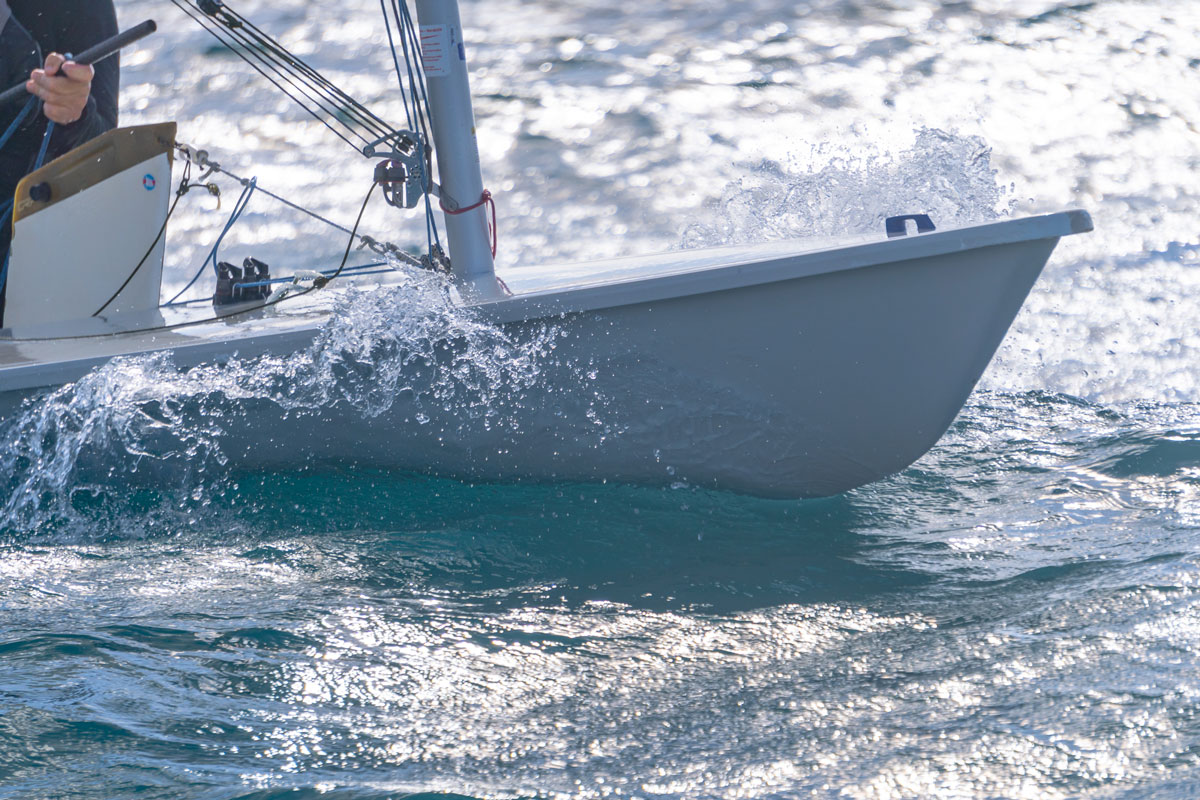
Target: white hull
[778, 370]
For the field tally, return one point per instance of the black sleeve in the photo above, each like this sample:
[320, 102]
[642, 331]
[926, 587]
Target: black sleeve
[88, 22]
[19, 55]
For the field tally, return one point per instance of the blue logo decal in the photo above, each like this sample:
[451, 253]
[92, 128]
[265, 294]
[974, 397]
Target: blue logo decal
[149, 183]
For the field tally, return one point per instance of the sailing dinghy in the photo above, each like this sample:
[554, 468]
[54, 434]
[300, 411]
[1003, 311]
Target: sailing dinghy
[788, 369]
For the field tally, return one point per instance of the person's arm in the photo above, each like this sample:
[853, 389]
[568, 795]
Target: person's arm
[85, 22]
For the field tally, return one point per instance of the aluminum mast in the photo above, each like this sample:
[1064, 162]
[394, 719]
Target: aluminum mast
[443, 54]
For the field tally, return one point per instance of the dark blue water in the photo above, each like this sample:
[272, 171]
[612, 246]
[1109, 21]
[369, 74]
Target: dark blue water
[1014, 616]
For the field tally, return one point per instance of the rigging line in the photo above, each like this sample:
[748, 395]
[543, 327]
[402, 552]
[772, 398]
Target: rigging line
[6, 219]
[16, 123]
[220, 36]
[41, 156]
[219, 317]
[317, 88]
[37, 164]
[257, 41]
[250, 187]
[396, 60]
[416, 81]
[302, 67]
[406, 45]
[416, 69]
[265, 64]
[305, 70]
[350, 243]
[203, 22]
[374, 268]
[238, 208]
[382, 248]
[420, 101]
[413, 114]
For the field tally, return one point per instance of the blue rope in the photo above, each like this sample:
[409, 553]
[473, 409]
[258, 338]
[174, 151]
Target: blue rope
[6, 214]
[41, 156]
[6, 210]
[417, 80]
[16, 123]
[238, 208]
[356, 270]
[412, 61]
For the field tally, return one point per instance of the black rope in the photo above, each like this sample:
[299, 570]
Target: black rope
[322, 115]
[382, 248]
[317, 284]
[183, 189]
[350, 243]
[341, 103]
[259, 44]
[348, 119]
[265, 67]
[316, 79]
[314, 93]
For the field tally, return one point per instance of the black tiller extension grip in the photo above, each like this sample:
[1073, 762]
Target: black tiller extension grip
[93, 54]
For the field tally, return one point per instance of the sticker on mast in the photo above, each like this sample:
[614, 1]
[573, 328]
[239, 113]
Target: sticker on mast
[436, 50]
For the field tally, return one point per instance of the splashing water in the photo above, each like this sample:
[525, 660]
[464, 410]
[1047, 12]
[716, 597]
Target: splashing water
[836, 191]
[143, 421]
[143, 416]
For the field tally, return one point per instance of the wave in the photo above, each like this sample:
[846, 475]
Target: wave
[159, 435]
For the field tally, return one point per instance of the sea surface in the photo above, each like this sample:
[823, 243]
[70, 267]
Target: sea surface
[1014, 616]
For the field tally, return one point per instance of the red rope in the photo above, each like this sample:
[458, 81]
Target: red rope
[487, 200]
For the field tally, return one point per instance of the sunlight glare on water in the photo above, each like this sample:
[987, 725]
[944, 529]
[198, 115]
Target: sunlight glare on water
[1013, 616]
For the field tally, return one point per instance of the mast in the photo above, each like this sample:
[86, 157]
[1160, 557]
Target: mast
[452, 118]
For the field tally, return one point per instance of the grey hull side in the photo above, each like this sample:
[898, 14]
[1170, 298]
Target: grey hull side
[833, 375]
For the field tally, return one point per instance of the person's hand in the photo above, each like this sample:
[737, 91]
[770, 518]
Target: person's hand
[64, 87]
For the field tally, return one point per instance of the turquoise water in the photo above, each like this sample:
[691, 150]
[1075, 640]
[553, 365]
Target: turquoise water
[1013, 616]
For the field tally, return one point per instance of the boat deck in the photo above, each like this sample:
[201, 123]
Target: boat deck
[48, 355]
